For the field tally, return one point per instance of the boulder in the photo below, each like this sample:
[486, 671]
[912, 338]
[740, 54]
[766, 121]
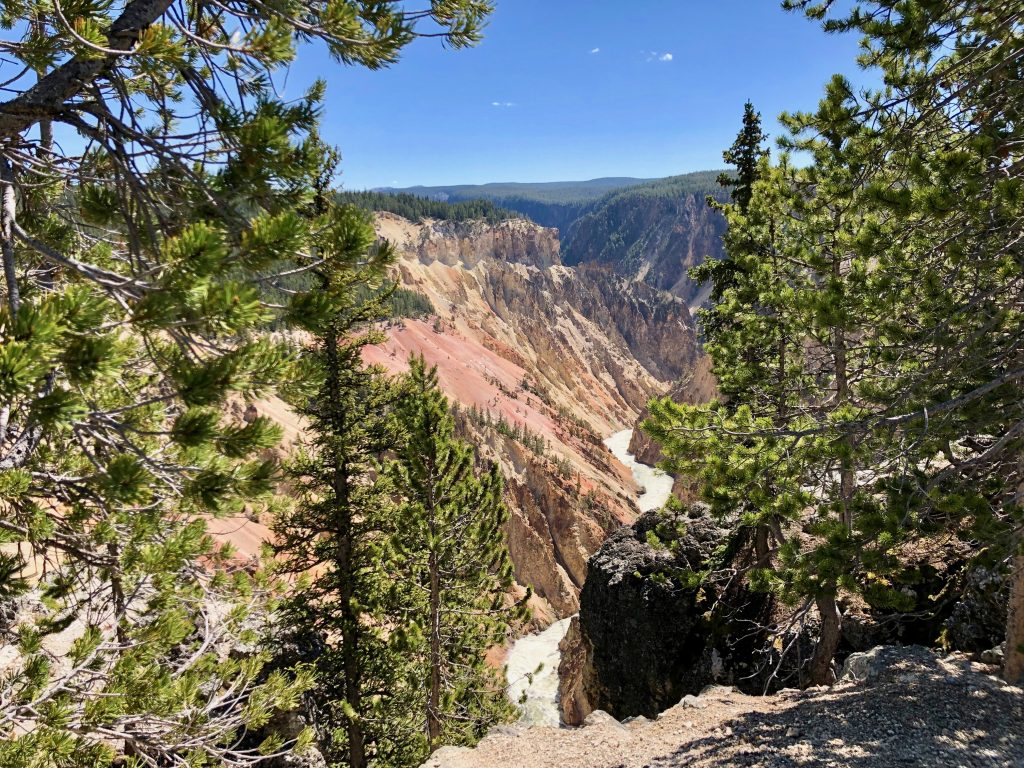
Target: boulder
[890, 662]
[647, 635]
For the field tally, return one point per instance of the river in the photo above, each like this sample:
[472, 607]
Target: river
[655, 484]
[537, 654]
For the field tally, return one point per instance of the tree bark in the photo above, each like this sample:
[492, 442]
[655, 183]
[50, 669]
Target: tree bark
[434, 694]
[1013, 662]
[762, 549]
[1013, 658]
[831, 631]
[350, 629]
[8, 211]
[434, 606]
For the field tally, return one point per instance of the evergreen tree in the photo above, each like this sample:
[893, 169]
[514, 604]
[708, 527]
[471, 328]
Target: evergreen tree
[341, 615]
[746, 155]
[888, 274]
[136, 254]
[454, 563]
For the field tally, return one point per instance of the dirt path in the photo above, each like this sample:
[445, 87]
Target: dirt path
[913, 709]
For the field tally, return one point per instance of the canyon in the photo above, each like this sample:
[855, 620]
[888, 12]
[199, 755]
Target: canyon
[645, 230]
[542, 362]
[533, 662]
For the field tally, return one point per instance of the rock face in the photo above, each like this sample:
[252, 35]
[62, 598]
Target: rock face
[654, 237]
[543, 361]
[642, 640]
[466, 243]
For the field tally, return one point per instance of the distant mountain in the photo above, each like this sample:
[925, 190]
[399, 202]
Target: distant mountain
[550, 204]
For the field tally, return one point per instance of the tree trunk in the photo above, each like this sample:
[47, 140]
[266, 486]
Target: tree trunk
[761, 545]
[350, 629]
[825, 650]
[434, 693]
[1013, 660]
[7, 215]
[1013, 663]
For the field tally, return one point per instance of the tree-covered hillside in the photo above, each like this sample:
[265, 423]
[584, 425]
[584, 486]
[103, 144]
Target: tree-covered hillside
[417, 208]
[654, 231]
[550, 204]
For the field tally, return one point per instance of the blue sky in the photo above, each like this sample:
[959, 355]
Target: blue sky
[575, 89]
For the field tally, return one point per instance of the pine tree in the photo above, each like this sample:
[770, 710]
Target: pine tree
[746, 155]
[334, 540]
[884, 267]
[138, 254]
[455, 563]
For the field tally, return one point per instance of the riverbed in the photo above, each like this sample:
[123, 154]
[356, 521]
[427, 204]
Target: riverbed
[533, 660]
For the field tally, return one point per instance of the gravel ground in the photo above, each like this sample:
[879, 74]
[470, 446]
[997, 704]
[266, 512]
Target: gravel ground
[911, 708]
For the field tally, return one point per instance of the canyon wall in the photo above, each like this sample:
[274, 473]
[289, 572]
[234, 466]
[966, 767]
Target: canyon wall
[653, 233]
[542, 362]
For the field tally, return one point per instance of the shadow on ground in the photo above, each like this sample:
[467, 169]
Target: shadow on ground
[917, 711]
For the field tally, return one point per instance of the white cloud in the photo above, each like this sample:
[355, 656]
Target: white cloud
[595, 50]
[655, 56]
[665, 57]
[503, 104]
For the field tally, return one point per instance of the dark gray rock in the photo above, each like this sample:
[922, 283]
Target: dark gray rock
[978, 619]
[651, 634]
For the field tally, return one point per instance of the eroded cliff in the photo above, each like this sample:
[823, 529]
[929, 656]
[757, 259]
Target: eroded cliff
[543, 361]
[652, 233]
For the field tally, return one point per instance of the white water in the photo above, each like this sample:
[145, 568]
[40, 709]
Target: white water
[656, 485]
[533, 660]
[524, 657]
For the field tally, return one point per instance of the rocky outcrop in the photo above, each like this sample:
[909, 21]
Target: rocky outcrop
[644, 636]
[577, 684]
[551, 531]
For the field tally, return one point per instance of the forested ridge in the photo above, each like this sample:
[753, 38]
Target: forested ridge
[550, 204]
[417, 209]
